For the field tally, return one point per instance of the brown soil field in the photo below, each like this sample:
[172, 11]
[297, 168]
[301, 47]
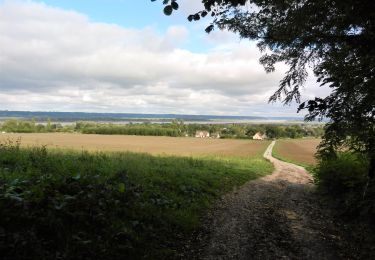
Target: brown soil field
[183, 146]
[297, 150]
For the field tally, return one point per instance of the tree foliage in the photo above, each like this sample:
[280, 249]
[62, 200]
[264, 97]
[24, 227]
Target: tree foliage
[335, 38]
[30, 126]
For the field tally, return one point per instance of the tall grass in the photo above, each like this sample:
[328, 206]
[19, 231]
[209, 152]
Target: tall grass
[57, 204]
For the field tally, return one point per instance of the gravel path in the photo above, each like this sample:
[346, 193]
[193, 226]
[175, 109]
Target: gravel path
[275, 217]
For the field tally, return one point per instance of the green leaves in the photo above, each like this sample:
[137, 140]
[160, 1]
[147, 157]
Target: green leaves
[121, 187]
[77, 177]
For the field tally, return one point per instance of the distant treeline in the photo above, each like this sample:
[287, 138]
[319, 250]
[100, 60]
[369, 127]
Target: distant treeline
[30, 126]
[129, 129]
[175, 128]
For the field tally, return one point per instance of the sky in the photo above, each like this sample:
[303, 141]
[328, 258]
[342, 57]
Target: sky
[127, 56]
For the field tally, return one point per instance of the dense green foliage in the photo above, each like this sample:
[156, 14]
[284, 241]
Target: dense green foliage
[344, 183]
[344, 179]
[139, 129]
[341, 175]
[175, 128]
[77, 205]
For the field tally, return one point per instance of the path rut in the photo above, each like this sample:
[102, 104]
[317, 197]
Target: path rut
[274, 217]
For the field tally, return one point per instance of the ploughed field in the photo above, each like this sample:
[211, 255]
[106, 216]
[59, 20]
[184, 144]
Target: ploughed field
[156, 145]
[300, 151]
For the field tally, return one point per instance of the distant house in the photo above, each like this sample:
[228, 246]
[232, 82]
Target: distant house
[202, 134]
[259, 136]
[3, 132]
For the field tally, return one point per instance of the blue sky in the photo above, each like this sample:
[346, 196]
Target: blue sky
[127, 13]
[137, 14]
[127, 56]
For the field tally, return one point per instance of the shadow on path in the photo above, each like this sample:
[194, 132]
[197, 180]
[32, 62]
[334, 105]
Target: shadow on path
[274, 217]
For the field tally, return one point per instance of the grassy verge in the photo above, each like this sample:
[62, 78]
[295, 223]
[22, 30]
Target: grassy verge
[57, 204]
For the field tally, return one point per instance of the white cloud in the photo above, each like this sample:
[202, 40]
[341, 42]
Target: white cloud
[52, 59]
[188, 7]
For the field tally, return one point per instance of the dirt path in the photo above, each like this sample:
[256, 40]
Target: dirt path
[275, 217]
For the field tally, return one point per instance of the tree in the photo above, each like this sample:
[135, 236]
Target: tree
[335, 38]
[49, 125]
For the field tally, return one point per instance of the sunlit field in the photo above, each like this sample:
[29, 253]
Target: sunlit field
[156, 145]
[300, 151]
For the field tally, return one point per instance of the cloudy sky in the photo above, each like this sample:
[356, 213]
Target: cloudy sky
[126, 56]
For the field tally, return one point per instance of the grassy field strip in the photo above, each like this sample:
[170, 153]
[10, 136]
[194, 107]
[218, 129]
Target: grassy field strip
[107, 205]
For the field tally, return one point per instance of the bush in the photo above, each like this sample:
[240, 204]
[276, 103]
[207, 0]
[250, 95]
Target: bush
[343, 179]
[342, 174]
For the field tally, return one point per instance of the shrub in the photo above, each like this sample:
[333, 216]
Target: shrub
[344, 183]
[342, 174]
[343, 179]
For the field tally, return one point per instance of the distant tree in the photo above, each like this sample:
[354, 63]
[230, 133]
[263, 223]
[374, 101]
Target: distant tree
[336, 38]
[40, 128]
[49, 125]
[179, 125]
[10, 125]
[274, 131]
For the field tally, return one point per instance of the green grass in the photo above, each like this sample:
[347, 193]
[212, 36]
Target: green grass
[59, 204]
